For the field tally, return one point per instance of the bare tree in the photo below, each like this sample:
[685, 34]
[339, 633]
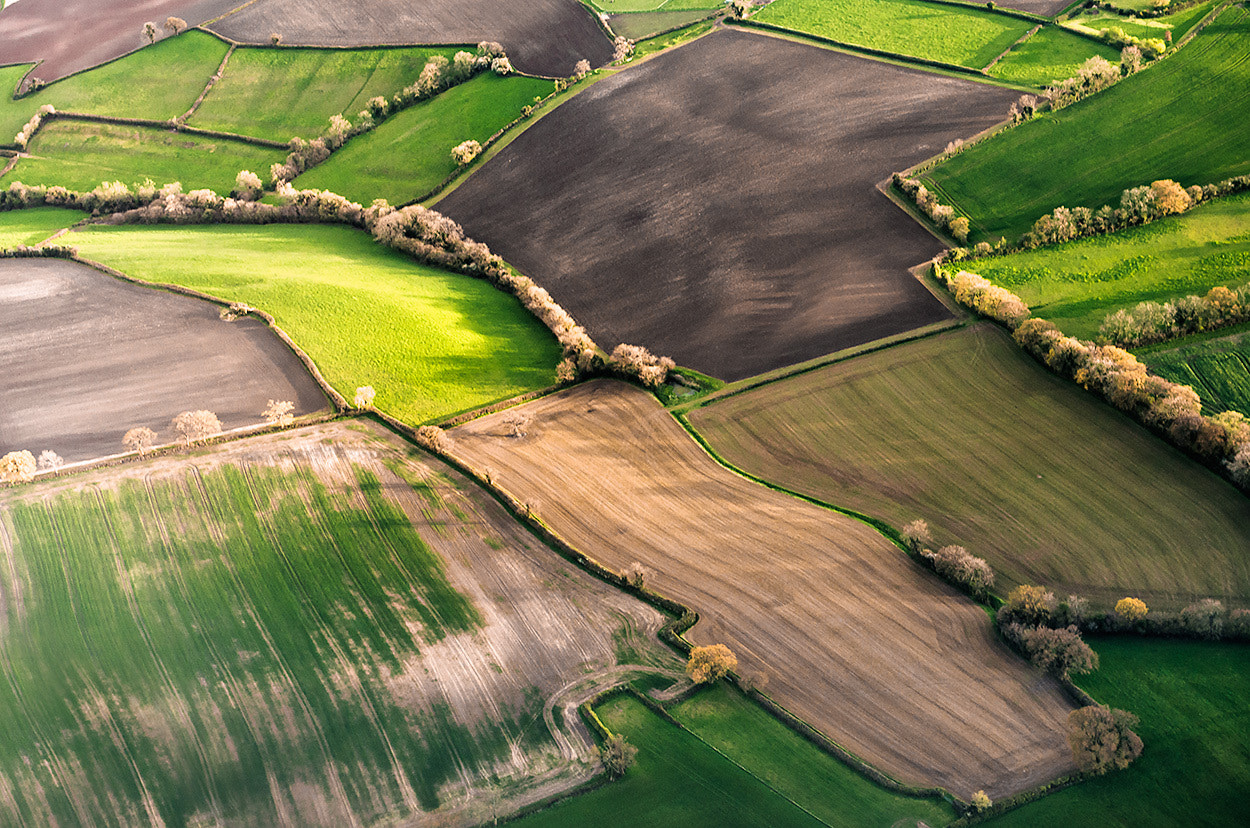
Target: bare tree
[581, 69]
[49, 460]
[517, 423]
[175, 25]
[149, 31]
[17, 467]
[635, 575]
[279, 412]
[364, 396]
[139, 439]
[194, 426]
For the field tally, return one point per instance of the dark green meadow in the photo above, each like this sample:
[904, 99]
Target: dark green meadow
[1216, 365]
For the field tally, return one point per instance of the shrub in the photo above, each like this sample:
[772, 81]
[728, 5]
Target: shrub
[1060, 652]
[959, 229]
[1072, 610]
[275, 39]
[364, 396]
[175, 25]
[1028, 605]
[1170, 197]
[1204, 618]
[581, 69]
[1102, 739]
[617, 755]
[501, 66]
[635, 575]
[981, 800]
[622, 48]
[917, 535]
[957, 565]
[194, 426]
[637, 362]
[1130, 59]
[279, 412]
[149, 31]
[139, 439]
[711, 663]
[433, 438]
[1239, 466]
[1130, 610]
[49, 460]
[17, 467]
[464, 152]
[247, 185]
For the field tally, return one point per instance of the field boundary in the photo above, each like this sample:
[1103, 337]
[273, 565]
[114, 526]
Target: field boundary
[212, 81]
[172, 125]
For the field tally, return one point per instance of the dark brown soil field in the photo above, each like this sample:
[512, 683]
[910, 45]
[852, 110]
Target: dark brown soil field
[542, 37]
[84, 357]
[717, 203]
[848, 633]
[72, 35]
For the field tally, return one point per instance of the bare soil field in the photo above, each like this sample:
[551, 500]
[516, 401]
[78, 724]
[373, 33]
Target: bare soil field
[71, 35]
[84, 357]
[848, 633]
[542, 37]
[716, 203]
[318, 627]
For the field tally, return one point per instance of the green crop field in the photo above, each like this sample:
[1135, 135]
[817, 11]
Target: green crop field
[965, 431]
[80, 154]
[646, 24]
[1048, 56]
[430, 342]
[964, 36]
[1195, 769]
[281, 93]
[1217, 367]
[1183, 118]
[29, 227]
[1178, 24]
[1078, 284]
[409, 154]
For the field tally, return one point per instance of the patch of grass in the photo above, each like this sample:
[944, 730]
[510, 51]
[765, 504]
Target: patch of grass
[429, 341]
[965, 431]
[1182, 118]
[13, 114]
[1195, 770]
[963, 36]
[79, 155]
[410, 153]
[662, 42]
[1048, 56]
[645, 24]
[29, 227]
[620, 6]
[281, 93]
[1178, 24]
[1218, 368]
[1078, 284]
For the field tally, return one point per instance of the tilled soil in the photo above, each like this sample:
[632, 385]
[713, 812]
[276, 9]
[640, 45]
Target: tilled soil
[84, 357]
[848, 633]
[542, 37]
[717, 203]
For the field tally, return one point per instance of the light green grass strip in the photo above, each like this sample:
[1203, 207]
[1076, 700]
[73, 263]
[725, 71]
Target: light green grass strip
[29, 227]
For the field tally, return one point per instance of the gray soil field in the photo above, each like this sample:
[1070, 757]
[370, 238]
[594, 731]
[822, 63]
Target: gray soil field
[542, 37]
[717, 203]
[72, 35]
[85, 357]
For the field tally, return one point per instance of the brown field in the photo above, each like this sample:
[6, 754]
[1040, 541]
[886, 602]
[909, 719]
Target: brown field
[848, 633]
[86, 357]
[542, 37]
[716, 203]
[72, 35]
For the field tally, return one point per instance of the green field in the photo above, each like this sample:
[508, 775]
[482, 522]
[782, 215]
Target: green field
[619, 6]
[430, 342]
[1195, 770]
[968, 36]
[1217, 367]
[1047, 483]
[409, 154]
[1184, 118]
[13, 114]
[1048, 56]
[29, 227]
[1178, 24]
[1078, 284]
[281, 93]
[80, 154]
[646, 24]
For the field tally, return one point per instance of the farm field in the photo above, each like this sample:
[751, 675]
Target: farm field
[542, 37]
[310, 628]
[960, 35]
[1078, 284]
[711, 176]
[86, 357]
[849, 634]
[1178, 24]
[1216, 366]
[430, 342]
[1180, 119]
[409, 154]
[1048, 56]
[313, 84]
[965, 431]
[645, 24]
[29, 227]
[618, 7]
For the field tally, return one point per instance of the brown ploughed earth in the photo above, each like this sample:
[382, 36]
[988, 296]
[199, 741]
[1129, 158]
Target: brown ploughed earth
[716, 203]
[848, 633]
[85, 357]
[542, 37]
[72, 35]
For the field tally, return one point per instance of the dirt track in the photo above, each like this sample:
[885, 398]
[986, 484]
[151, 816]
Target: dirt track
[851, 635]
[84, 357]
[717, 203]
[72, 35]
[542, 37]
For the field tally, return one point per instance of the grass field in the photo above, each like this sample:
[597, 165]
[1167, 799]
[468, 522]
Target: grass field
[29, 227]
[964, 36]
[1195, 768]
[79, 155]
[1046, 483]
[621, 6]
[1050, 55]
[1216, 366]
[1183, 118]
[430, 342]
[281, 93]
[646, 24]
[1178, 24]
[1077, 284]
[410, 153]
[13, 114]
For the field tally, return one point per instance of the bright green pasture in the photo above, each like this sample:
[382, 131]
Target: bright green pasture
[1195, 770]
[967, 432]
[430, 342]
[1183, 118]
[29, 227]
[1216, 366]
[282, 93]
[409, 154]
[1154, 27]
[968, 36]
[80, 154]
[1050, 55]
[1078, 284]
[13, 114]
[209, 640]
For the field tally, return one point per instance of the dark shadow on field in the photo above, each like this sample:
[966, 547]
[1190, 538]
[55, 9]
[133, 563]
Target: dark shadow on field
[717, 203]
[84, 357]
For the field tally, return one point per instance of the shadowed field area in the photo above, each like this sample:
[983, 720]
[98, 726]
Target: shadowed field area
[849, 633]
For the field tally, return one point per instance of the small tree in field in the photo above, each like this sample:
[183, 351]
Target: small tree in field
[1059, 652]
[581, 69]
[364, 396]
[433, 438]
[617, 755]
[49, 460]
[635, 575]
[194, 426]
[708, 664]
[1130, 610]
[279, 412]
[1102, 739]
[247, 185]
[139, 439]
[275, 39]
[517, 423]
[464, 152]
[917, 535]
[981, 801]
[175, 25]
[622, 48]
[17, 467]
[149, 31]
